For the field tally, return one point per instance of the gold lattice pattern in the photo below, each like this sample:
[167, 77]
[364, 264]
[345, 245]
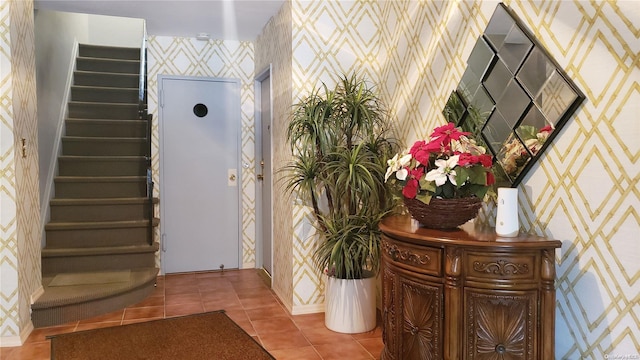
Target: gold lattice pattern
[8, 242]
[19, 188]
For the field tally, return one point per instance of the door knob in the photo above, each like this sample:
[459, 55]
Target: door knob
[232, 177]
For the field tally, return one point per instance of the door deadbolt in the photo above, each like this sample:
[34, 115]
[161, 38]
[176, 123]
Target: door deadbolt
[232, 177]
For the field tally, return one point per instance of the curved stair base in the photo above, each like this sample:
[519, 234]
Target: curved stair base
[63, 304]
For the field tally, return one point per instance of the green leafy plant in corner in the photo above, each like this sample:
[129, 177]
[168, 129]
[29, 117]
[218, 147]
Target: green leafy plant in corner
[340, 140]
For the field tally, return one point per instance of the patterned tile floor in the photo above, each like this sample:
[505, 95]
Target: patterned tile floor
[246, 299]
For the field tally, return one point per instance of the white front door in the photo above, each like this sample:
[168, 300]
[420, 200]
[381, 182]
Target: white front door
[199, 173]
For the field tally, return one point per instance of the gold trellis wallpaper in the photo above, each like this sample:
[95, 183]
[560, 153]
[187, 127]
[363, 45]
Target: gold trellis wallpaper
[213, 58]
[19, 193]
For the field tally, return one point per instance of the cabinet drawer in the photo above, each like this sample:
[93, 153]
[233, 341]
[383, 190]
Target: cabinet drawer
[501, 266]
[423, 259]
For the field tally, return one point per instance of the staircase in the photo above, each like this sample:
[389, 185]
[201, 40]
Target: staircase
[100, 254]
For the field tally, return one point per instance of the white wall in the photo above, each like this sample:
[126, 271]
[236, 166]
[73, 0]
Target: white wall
[56, 34]
[115, 31]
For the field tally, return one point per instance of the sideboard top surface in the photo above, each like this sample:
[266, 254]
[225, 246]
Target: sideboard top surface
[404, 227]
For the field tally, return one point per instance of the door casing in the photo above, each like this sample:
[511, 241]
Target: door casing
[264, 140]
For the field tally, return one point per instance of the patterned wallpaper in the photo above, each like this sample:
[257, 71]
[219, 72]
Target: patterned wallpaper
[213, 58]
[9, 316]
[273, 46]
[19, 194]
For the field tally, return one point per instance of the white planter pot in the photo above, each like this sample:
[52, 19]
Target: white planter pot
[350, 305]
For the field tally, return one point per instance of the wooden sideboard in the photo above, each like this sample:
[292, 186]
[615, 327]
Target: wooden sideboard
[466, 293]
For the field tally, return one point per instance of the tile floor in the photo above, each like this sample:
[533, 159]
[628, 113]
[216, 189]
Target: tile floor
[246, 299]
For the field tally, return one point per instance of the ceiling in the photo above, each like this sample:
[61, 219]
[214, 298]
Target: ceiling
[221, 19]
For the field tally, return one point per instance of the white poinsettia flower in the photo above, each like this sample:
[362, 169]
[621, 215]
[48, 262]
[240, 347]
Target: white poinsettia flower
[392, 167]
[402, 174]
[397, 163]
[405, 160]
[444, 171]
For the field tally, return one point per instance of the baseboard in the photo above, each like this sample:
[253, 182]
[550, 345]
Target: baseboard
[265, 276]
[12, 341]
[307, 309]
[36, 294]
[286, 304]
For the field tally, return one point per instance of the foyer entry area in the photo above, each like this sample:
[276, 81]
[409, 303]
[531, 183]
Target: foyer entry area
[247, 301]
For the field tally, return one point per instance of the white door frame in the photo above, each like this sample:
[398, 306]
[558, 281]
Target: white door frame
[261, 76]
[238, 123]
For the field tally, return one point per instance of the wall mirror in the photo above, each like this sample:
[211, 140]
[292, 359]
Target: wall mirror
[513, 96]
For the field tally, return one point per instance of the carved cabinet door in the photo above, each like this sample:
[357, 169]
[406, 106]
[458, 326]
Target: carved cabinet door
[500, 324]
[421, 306]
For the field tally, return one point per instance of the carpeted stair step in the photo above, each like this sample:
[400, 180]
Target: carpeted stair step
[117, 66]
[91, 210]
[97, 234]
[102, 165]
[106, 128]
[83, 259]
[86, 187]
[92, 78]
[95, 146]
[94, 110]
[104, 94]
[109, 52]
[62, 304]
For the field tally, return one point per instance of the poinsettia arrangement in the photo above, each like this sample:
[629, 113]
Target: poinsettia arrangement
[449, 165]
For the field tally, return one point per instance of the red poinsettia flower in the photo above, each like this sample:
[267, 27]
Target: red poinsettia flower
[421, 152]
[486, 160]
[467, 159]
[445, 133]
[410, 190]
[490, 179]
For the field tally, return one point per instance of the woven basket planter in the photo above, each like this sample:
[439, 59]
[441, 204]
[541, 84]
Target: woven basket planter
[444, 213]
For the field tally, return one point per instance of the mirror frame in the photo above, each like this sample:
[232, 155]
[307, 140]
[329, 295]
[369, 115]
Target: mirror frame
[503, 106]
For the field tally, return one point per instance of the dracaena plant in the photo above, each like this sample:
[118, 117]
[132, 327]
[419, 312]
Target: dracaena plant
[340, 142]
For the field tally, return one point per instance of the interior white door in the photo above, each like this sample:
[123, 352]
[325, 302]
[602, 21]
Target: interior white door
[199, 175]
[264, 181]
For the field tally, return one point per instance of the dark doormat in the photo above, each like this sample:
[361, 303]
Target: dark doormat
[211, 335]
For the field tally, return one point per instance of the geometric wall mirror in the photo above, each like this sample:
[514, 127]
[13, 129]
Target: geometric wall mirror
[513, 96]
